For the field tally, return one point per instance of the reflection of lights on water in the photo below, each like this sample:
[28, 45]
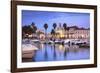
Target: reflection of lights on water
[61, 48]
[68, 48]
[42, 46]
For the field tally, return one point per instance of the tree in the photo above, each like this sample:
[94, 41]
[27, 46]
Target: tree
[26, 30]
[33, 24]
[33, 27]
[54, 25]
[65, 27]
[53, 33]
[45, 27]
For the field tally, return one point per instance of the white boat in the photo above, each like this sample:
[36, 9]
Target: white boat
[51, 42]
[66, 41]
[35, 41]
[28, 50]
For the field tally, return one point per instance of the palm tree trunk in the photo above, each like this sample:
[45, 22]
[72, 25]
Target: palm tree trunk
[46, 36]
[68, 34]
[65, 34]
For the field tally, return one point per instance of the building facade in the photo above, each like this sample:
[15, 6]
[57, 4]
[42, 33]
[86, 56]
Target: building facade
[72, 32]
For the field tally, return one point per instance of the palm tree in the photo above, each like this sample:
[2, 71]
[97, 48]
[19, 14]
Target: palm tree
[33, 27]
[54, 25]
[45, 26]
[33, 24]
[52, 33]
[65, 27]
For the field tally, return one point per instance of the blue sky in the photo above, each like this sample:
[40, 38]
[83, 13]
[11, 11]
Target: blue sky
[42, 17]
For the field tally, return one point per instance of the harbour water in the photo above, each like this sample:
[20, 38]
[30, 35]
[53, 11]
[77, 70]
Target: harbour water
[59, 52]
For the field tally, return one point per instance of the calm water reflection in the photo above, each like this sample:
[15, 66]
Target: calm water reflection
[51, 52]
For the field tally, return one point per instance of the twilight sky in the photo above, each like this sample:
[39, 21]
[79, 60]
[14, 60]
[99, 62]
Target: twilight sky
[42, 17]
